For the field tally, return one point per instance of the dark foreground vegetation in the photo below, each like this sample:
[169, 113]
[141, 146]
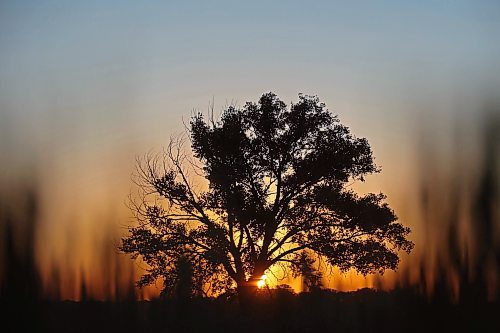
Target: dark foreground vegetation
[280, 311]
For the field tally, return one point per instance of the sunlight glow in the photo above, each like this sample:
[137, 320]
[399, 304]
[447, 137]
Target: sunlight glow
[262, 282]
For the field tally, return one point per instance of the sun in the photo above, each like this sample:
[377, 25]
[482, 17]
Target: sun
[262, 282]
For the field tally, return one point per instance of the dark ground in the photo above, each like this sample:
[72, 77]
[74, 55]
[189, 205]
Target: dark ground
[322, 311]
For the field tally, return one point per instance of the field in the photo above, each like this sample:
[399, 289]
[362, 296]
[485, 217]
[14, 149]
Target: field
[279, 311]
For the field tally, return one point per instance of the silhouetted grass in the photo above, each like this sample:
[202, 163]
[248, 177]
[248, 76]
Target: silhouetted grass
[321, 311]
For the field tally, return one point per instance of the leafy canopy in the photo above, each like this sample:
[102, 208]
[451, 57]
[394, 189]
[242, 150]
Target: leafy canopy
[277, 193]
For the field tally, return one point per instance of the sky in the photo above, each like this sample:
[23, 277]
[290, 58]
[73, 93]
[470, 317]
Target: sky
[86, 86]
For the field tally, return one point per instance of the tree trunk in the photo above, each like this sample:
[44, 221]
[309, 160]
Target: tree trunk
[247, 291]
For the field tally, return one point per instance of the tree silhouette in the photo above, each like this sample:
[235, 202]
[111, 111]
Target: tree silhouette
[181, 285]
[277, 185]
[304, 267]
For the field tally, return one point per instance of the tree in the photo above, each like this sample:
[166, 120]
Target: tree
[180, 285]
[311, 277]
[277, 183]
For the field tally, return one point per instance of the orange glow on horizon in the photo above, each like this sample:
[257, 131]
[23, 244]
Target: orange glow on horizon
[80, 220]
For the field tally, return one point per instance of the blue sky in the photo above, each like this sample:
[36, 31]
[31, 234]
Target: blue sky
[88, 68]
[229, 49]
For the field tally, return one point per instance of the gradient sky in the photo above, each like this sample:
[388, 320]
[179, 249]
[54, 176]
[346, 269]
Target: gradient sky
[86, 86]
